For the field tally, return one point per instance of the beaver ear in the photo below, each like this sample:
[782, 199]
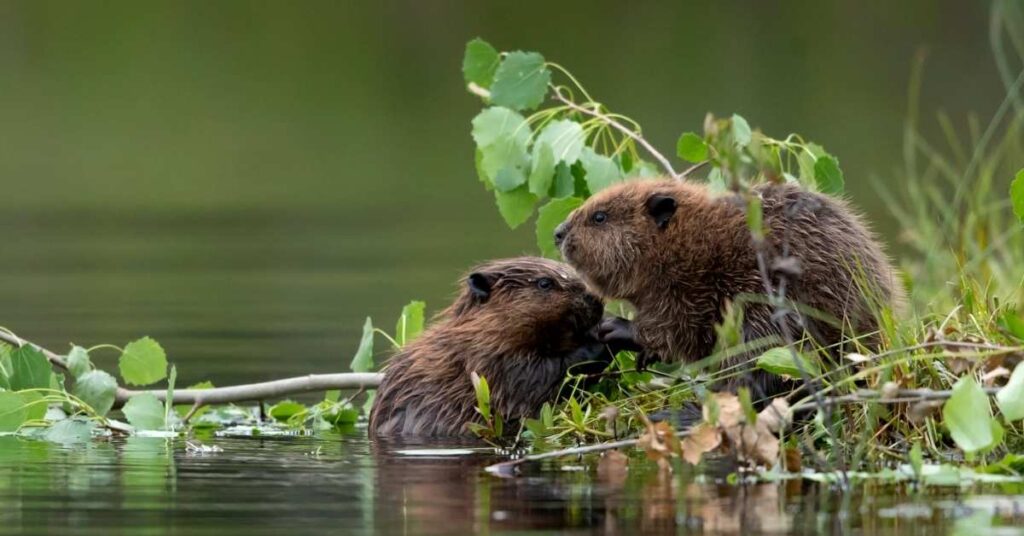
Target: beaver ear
[661, 208]
[480, 285]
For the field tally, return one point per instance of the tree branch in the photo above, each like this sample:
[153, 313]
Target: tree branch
[620, 127]
[235, 393]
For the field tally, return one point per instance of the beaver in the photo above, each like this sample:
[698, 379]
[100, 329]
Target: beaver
[520, 323]
[680, 255]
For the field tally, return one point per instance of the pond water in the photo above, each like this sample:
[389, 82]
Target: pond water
[344, 484]
[246, 182]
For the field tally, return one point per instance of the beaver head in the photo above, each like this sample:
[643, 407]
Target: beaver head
[621, 233]
[525, 305]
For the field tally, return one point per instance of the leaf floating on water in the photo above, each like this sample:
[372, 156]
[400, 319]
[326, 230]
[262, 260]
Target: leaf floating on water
[145, 412]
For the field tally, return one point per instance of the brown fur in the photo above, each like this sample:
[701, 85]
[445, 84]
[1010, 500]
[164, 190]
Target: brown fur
[521, 338]
[680, 277]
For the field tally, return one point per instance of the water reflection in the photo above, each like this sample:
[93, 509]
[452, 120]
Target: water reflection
[346, 484]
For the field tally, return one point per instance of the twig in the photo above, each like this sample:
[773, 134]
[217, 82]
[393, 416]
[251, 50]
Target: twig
[686, 172]
[508, 468]
[235, 393]
[620, 127]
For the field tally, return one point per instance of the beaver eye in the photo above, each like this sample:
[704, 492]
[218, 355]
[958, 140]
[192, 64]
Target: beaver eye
[599, 217]
[545, 284]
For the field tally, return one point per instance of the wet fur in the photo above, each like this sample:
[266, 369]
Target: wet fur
[680, 276]
[522, 339]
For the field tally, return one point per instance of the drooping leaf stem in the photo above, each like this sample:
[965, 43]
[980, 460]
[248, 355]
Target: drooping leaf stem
[594, 111]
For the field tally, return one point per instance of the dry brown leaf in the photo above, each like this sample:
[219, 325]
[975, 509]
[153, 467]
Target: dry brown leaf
[758, 444]
[776, 416]
[659, 440]
[702, 438]
[794, 463]
[730, 411]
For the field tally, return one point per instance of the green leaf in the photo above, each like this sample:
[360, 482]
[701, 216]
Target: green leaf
[480, 173]
[483, 395]
[692, 147]
[576, 411]
[501, 135]
[97, 389]
[602, 171]
[1010, 398]
[521, 81]
[343, 416]
[29, 369]
[78, 361]
[70, 432]
[480, 62]
[5, 366]
[1013, 322]
[13, 412]
[363, 360]
[550, 216]
[509, 178]
[968, 416]
[740, 131]
[563, 185]
[565, 138]
[515, 206]
[143, 362]
[1017, 195]
[827, 175]
[755, 217]
[285, 410]
[410, 323]
[780, 361]
[144, 412]
[916, 459]
[496, 123]
[543, 170]
[716, 181]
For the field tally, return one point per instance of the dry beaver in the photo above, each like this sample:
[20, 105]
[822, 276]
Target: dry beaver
[520, 323]
[679, 254]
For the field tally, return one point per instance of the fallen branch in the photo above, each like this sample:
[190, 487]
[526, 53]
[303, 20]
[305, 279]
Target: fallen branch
[506, 469]
[235, 393]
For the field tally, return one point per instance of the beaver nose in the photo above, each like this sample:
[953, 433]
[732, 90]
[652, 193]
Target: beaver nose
[560, 232]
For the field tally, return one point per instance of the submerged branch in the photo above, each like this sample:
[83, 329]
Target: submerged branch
[235, 393]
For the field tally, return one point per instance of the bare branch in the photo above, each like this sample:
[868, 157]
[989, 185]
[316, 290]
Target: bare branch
[235, 393]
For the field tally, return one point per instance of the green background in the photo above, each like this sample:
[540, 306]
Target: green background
[246, 181]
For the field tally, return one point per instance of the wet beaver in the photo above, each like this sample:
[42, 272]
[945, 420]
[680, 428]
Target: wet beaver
[520, 323]
[679, 254]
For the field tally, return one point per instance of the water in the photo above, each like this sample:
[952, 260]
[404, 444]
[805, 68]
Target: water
[344, 484]
[247, 182]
